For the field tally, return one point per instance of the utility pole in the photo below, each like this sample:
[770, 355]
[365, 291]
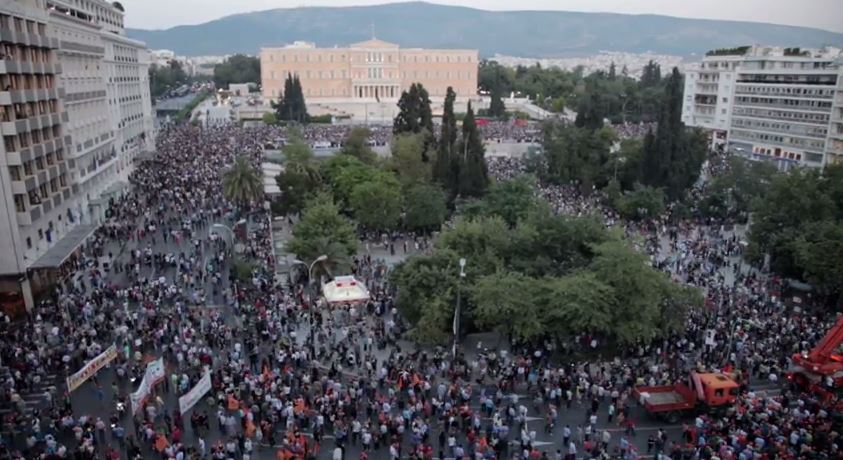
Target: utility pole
[457, 310]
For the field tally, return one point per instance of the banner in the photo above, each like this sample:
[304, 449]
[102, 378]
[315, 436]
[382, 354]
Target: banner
[88, 370]
[189, 399]
[154, 374]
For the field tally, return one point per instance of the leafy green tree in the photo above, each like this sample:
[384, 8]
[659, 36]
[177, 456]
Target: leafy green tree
[642, 294]
[577, 155]
[165, 78]
[427, 291]
[322, 229]
[357, 145]
[743, 183]
[241, 183]
[819, 251]
[270, 118]
[343, 172]
[576, 303]
[425, 208]
[512, 200]
[408, 159]
[642, 203]
[506, 301]
[300, 179]
[651, 75]
[473, 176]
[377, 203]
[237, 69]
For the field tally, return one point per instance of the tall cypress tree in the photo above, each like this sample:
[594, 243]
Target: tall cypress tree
[473, 176]
[414, 112]
[300, 104]
[497, 109]
[672, 156]
[446, 167]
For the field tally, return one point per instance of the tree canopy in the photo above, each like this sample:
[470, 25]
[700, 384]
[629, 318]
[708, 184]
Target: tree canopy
[291, 105]
[237, 69]
[545, 277]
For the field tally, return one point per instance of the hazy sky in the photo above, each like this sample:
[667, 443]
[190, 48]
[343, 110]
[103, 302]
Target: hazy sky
[823, 14]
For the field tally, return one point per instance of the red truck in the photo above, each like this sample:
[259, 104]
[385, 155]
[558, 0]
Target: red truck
[704, 392]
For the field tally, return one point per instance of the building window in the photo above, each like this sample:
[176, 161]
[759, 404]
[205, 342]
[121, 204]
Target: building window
[20, 203]
[28, 243]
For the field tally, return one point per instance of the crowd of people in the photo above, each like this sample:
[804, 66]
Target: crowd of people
[292, 379]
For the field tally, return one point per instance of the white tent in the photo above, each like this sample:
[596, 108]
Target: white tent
[345, 289]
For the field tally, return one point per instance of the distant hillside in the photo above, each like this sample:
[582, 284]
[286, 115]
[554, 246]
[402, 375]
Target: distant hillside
[515, 33]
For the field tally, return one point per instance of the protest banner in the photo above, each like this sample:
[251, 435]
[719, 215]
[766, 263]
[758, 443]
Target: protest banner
[88, 370]
[154, 374]
[189, 399]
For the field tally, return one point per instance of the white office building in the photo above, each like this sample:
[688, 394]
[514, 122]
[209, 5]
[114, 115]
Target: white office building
[767, 103]
[75, 112]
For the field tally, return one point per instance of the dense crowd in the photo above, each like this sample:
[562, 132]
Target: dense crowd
[298, 380]
[633, 130]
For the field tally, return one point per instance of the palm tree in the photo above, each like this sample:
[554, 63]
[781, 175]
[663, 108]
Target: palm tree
[241, 183]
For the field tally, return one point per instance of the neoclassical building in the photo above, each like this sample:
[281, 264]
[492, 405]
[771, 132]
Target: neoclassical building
[368, 71]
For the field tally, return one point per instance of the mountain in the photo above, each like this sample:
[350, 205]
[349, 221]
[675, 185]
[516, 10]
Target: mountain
[515, 33]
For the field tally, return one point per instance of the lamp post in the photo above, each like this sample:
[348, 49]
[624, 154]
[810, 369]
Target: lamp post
[457, 310]
[216, 227]
[321, 258]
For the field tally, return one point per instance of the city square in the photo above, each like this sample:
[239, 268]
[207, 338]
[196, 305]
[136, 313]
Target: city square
[478, 272]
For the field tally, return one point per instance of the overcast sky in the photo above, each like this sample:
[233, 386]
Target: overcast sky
[823, 14]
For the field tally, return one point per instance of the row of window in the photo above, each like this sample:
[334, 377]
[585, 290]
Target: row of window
[24, 140]
[823, 93]
[22, 25]
[790, 103]
[17, 82]
[25, 110]
[373, 73]
[766, 125]
[778, 139]
[20, 172]
[318, 56]
[40, 194]
[782, 115]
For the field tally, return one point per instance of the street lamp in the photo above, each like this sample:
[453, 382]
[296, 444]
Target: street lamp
[457, 310]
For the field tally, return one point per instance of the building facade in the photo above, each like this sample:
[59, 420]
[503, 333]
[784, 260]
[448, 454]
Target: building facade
[370, 71]
[35, 165]
[75, 108]
[768, 103]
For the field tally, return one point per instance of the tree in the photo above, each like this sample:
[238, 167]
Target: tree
[497, 109]
[241, 183]
[408, 159]
[300, 179]
[237, 69]
[473, 176]
[511, 200]
[446, 166]
[291, 105]
[165, 78]
[641, 203]
[651, 75]
[612, 71]
[644, 298]
[577, 155]
[425, 208]
[377, 203]
[414, 113]
[672, 157]
[270, 118]
[322, 228]
[506, 301]
[357, 145]
[819, 252]
[343, 172]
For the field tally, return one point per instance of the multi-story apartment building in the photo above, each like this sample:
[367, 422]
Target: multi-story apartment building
[74, 112]
[767, 103]
[107, 97]
[36, 189]
[371, 71]
[834, 146]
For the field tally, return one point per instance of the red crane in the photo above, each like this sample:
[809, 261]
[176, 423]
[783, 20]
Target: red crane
[821, 369]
